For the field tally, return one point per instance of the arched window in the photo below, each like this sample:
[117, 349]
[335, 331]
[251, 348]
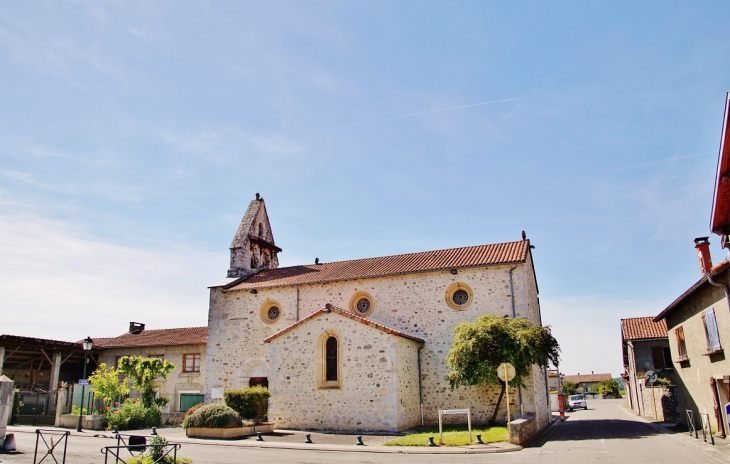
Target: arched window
[331, 359]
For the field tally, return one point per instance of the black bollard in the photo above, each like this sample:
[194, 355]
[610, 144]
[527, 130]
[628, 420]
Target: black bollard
[430, 442]
[479, 439]
[154, 431]
[116, 429]
[259, 437]
[308, 439]
[359, 440]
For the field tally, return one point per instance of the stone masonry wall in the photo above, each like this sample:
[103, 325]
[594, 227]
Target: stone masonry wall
[413, 303]
[369, 398]
[406, 362]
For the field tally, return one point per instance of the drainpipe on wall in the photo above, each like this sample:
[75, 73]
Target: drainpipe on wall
[297, 303]
[725, 286]
[420, 386]
[512, 290]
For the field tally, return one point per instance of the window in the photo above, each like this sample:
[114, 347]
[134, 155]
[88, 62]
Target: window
[191, 362]
[361, 304]
[662, 357]
[270, 311]
[331, 362]
[681, 346]
[711, 332]
[116, 361]
[329, 370]
[459, 296]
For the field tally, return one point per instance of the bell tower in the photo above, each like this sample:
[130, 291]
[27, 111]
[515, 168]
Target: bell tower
[253, 247]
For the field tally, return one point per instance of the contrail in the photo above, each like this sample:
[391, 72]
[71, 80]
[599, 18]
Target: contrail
[411, 114]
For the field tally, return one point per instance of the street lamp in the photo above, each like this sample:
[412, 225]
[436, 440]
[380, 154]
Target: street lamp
[88, 344]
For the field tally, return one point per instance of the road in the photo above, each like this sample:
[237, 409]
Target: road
[603, 434]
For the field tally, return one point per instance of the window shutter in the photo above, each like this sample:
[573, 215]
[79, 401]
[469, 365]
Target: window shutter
[681, 348]
[657, 353]
[713, 337]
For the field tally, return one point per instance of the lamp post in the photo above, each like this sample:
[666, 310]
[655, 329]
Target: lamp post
[88, 344]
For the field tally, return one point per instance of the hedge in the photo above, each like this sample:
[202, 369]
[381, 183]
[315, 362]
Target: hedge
[250, 403]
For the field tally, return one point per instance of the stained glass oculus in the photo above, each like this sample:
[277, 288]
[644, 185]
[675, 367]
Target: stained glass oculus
[363, 305]
[273, 313]
[460, 297]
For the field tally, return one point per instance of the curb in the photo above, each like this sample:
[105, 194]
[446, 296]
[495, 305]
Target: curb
[501, 447]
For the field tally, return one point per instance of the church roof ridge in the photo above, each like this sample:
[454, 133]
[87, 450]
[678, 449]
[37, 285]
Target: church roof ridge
[406, 263]
[330, 308]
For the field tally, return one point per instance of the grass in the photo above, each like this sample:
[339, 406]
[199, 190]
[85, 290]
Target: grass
[454, 435]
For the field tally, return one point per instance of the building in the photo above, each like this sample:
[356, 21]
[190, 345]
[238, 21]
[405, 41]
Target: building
[645, 348]
[184, 347]
[587, 383]
[554, 380]
[362, 344]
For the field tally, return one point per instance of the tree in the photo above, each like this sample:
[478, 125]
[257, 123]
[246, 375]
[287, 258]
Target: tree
[569, 388]
[479, 347]
[107, 386]
[608, 387]
[144, 372]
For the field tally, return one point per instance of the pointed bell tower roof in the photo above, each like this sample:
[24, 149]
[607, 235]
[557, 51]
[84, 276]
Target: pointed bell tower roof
[253, 247]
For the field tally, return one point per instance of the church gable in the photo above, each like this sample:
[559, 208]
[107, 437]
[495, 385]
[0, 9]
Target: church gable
[253, 247]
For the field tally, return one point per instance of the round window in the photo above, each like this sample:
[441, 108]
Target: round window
[363, 305]
[273, 313]
[270, 311]
[460, 297]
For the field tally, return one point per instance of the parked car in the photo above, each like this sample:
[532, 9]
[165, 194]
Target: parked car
[577, 401]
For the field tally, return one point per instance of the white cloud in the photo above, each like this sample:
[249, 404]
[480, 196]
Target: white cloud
[57, 281]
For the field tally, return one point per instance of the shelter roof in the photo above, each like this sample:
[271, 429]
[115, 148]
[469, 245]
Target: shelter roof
[472, 256]
[159, 337]
[640, 328]
[19, 351]
[335, 310]
[587, 378]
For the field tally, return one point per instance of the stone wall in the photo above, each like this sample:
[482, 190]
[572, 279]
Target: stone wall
[178, 382]
[413, 303]
[376, 391]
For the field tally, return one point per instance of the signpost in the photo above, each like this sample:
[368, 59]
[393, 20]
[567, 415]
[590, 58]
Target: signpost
[651, 379]
[450, 412]
[506, 372]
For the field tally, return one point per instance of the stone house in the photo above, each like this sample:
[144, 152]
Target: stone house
[645, 348]
[362, 344]
[587, 383]
[184, 347]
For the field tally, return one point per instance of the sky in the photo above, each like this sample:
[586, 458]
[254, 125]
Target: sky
[134, 134]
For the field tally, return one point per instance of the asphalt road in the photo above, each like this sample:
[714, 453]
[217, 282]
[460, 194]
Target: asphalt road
[604, 434]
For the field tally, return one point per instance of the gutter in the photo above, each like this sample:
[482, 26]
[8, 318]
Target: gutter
[725, 287]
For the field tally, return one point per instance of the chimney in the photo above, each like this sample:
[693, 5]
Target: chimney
[135, 327]
[702, 244]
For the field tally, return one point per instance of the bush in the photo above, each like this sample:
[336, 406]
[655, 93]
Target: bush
[154, 454]
[217, 416]
[133, 415]
[250, 403]
[193, 409]
[569, 388]
[608, 387]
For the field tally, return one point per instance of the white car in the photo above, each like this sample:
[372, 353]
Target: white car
[577, 401]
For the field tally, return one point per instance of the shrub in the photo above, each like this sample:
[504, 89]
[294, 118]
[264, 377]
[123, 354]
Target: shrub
[250, 403]
[608, 387]
[154, 454]
[569, 388]
[193, 409]
[133, 415]
[213, 415]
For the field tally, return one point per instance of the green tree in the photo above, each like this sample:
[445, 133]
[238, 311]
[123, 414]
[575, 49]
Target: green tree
[609, 387]
[569, 388]
[479, 347]
[107, 386]
[144, 372]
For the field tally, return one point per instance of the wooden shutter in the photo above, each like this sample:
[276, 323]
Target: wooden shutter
[713, 336]
[681, 348]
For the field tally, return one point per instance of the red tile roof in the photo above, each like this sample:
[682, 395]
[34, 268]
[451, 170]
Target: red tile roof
[639, 328]
[587, 378]
[335, 310]
[720, 216]
[480, 255]
[161, 337]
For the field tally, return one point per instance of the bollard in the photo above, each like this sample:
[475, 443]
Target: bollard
[561, 407]
[308, 438]
[359, 440]
[116, 429]
[430, 442]
[259, 437]
[154, 431]
[479, 439]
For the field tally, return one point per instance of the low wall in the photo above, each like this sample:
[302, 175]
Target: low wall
[523, 429]
[71, 421]
[229, 432]
[173, 418]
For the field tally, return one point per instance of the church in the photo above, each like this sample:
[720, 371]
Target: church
[361, 345]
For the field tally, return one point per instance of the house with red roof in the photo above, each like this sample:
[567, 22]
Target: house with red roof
[362, 344]
[184, 347]
[645, 348]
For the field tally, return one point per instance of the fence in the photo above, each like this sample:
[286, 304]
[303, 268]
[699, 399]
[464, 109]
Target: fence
[36, 407]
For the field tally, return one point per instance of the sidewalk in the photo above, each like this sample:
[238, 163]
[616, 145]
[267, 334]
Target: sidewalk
[292, 440]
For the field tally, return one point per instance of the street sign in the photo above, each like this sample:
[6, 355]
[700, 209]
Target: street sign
[447, 412]
[506, 372]
[650, 377]
[727, 413]
[83, 382]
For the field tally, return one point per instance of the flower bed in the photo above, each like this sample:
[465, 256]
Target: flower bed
[228, 432]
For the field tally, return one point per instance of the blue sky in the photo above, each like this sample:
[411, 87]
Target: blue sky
[134, 134]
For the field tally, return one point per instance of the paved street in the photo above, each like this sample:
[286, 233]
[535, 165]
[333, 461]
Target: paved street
[605, 433]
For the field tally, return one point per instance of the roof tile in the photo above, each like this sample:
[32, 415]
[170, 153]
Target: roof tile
[639, 328]
[161, 337]
[480, 255]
